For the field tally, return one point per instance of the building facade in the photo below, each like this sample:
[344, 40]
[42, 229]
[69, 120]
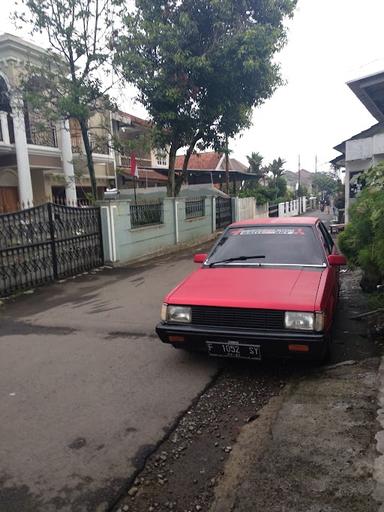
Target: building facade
[42, 162]
[365, 149]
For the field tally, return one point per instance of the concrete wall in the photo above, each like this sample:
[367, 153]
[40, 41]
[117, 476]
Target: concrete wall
[244, 208]
[123, 243]
[361, 149]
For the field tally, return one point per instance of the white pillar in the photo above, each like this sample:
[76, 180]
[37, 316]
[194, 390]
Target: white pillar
[23, 168]
[67, 159]
[4, 127]
[347, 191]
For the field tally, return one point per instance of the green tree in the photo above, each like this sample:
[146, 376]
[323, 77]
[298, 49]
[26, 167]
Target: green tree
[363, 239]
[67, 85]
[200, 66]
[255, 161]
[276, 169]
[325, 182]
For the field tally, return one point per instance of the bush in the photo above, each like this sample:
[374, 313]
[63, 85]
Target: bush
[362, 242]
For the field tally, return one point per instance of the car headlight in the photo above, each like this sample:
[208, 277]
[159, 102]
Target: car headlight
[176, 314]
[301, 321]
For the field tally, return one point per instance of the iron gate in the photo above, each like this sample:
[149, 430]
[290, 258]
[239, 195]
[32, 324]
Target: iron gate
[46, 243]
[223, 212]
[273, 210]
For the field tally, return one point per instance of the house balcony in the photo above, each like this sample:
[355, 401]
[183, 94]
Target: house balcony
[125, 161]
[98, 145]
[36, 136]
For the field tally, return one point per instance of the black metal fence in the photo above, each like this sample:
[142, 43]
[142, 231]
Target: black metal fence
[46, 243]
[223, 212]
[194, 207]
[146, 214]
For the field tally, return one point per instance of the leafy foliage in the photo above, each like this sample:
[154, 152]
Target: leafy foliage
[325, 182]
[201, 66]
[68, 82]
[274, 186]
[255, 161]
[363, 239]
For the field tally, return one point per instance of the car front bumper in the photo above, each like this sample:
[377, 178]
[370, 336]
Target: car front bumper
[272, 343]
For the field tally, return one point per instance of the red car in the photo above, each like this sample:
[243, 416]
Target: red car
[268, 288]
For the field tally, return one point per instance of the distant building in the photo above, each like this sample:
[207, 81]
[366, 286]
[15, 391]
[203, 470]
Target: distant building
[293, 179]
[209, 167]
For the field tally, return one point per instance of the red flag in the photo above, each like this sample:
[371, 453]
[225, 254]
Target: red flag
[134, 168]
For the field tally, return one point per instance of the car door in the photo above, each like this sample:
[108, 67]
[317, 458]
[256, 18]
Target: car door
[330, 248]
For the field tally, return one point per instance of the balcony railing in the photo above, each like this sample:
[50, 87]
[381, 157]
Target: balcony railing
[141, 162]
[98, 145]
[44, 137]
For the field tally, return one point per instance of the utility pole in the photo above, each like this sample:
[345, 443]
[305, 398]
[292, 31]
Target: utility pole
[299, 184]
[299, 174]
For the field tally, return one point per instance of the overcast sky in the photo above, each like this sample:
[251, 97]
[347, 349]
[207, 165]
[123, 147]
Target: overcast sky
[330, 42]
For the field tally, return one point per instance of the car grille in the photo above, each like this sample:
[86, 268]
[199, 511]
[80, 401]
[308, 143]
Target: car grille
[238, 317]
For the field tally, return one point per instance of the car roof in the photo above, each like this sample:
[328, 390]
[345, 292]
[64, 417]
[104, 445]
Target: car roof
[278, 221]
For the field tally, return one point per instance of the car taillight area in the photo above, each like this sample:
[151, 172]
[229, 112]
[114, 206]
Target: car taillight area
[242, 318]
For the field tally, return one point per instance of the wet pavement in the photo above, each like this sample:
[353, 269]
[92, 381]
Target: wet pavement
[95, 409]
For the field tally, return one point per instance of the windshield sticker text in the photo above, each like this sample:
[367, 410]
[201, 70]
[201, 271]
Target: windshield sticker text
[270, 231]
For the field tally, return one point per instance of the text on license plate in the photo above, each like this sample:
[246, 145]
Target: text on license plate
[233, 349]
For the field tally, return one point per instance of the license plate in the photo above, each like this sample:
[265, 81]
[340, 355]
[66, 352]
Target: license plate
[233, 349]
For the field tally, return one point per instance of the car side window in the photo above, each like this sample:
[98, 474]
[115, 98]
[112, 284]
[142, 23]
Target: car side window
[327, 236]
[323, 239]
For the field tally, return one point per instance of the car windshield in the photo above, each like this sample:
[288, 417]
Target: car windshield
[268, 245]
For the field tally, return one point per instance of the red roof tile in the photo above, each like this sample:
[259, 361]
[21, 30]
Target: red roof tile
[151, 175]
[200, 161]
[209, 161]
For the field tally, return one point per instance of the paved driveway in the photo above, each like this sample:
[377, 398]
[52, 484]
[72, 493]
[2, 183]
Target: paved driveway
[86, 388]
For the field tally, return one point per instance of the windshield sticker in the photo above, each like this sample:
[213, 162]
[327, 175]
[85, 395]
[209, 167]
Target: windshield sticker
[270, 231]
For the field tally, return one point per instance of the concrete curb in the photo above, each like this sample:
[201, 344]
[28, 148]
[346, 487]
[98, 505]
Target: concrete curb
[244, 455]
[378, 472]
[169, 251]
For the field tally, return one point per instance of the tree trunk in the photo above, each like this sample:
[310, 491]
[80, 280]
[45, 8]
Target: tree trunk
[181, 179]
[171, 185]
[88, 152]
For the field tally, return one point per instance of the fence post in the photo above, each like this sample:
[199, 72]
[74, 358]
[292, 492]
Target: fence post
[234, 204]
[213, 213]
[53, 244]
[176, 217]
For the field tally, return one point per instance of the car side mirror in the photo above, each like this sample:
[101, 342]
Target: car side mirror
[200, 258]
[337, 259]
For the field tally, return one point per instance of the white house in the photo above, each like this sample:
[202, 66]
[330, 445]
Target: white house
[39, 164]
[364, 149]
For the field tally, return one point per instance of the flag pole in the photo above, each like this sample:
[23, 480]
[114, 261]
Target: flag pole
[134, 188]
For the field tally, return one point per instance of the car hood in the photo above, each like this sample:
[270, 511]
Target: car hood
[263, 288]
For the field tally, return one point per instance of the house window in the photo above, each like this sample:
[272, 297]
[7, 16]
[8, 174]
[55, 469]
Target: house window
[161, 160]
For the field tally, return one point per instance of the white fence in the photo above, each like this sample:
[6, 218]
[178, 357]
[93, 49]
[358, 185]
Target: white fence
[292, 208]
[246, 208]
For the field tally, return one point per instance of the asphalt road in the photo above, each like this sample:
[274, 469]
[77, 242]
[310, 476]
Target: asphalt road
[86, 388]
